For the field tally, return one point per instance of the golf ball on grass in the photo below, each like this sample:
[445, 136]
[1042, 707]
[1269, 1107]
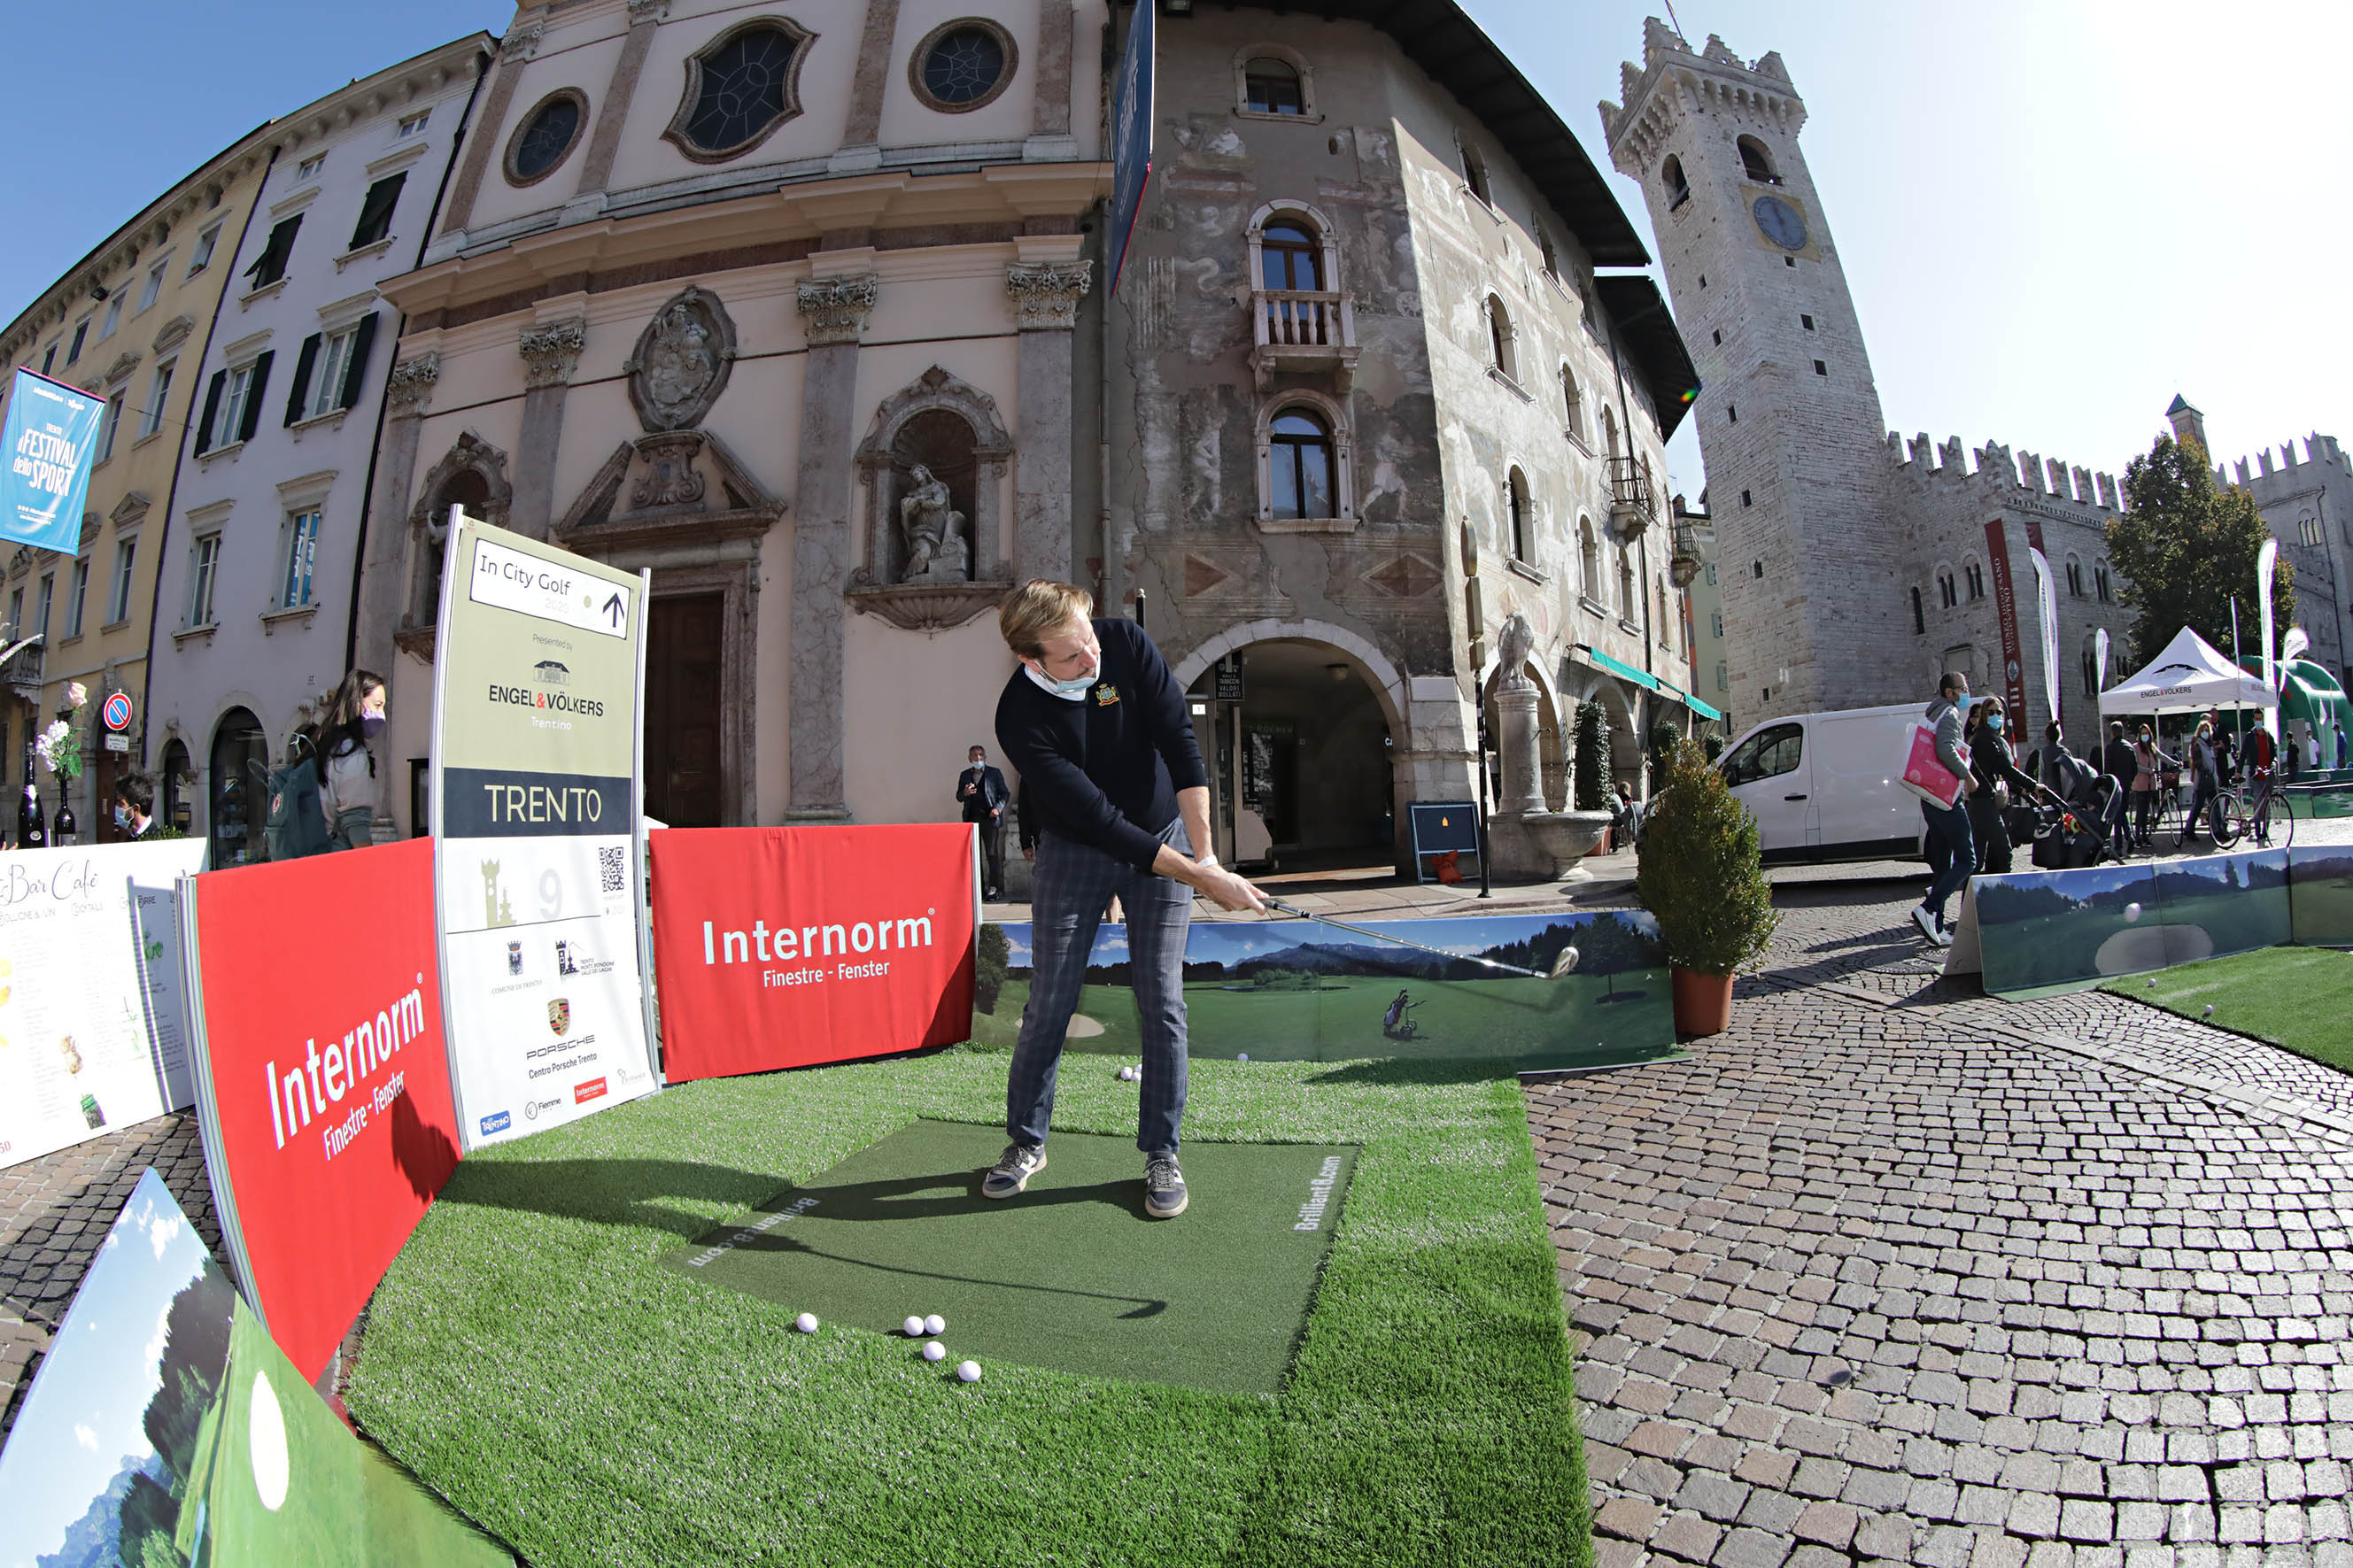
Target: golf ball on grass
[970, 1371]
[914, 1327]
[2132, 912]
[1241, 1056]
[935, 1350]
[2209, 1011]
[936, 1324]
[805, 1322]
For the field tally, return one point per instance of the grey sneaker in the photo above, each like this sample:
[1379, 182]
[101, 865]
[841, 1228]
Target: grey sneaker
[1163, 1187]
[1926, 918]
[1012, 1173]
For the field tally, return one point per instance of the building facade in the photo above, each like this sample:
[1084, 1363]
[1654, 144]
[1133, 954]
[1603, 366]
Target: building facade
[2309, 505]
[130, 323]
[257, 568]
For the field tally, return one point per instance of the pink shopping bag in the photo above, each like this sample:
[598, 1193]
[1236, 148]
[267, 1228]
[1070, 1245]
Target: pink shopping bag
[1924, 774]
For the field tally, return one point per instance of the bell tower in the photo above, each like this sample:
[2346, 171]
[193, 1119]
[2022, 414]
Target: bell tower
[1811, 553]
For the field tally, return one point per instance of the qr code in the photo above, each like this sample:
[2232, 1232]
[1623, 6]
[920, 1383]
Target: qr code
[613, 868]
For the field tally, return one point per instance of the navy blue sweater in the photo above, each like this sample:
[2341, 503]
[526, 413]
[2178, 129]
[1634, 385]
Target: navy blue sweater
[1105, 770]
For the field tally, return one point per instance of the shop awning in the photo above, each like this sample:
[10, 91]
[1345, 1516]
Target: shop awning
[1693, 703]
[1619, 668]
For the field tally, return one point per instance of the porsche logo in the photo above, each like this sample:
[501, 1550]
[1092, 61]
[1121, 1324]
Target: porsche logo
[559, 1016]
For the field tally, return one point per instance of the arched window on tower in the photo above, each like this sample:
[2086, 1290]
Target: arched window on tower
[1301, 465]
[1627, 603]
[1474, 173]
[1499, 335]
[2092, 665]
[1608, 430]
[1289, 255]
[1548, 254]
[1756, 162]
[1572, 406]
[2100, 582]
[1976, 574]
[1522, 525]
[1272, 87]
[2074, 577]
[1589, 561]
[1678, 188]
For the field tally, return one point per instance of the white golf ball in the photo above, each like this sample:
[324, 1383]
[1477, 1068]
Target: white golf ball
[1241, 1056]
[805, 1322]
[969, 1370]
[1127, 1075]
[936, 1324]
[2209, 1011]
[935, 1350]
[914, 1327]
[2132, 911]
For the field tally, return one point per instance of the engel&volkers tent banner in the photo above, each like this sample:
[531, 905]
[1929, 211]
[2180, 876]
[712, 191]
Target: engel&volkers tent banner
[780, 947]
[323, 1089]
[91, 1038]
[535, 802]
[49, 432]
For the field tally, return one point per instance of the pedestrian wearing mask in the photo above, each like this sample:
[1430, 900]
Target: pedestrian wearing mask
[2206, 789]
[347, 793]
[1952, 854]
[1995, 773]
[2152, 772]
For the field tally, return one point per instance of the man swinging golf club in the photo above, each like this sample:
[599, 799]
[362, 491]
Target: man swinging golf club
[1097, 728]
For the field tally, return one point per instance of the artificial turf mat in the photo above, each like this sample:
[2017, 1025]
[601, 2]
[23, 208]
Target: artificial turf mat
[530, 1357]
[1071, 1274]
[2290, 996]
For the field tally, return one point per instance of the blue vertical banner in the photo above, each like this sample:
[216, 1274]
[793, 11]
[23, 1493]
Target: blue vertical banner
[1131, 133]
[48, 434]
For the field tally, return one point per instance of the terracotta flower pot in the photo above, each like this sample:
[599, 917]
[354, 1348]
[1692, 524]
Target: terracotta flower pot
[1702, 1002]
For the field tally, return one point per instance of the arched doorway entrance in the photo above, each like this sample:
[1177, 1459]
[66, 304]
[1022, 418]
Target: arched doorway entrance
[236, 812]
[1299, 748]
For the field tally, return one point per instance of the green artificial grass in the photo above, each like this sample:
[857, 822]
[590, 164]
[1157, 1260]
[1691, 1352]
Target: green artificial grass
[531, 1357]
[2294, 998]
[1062, 1276]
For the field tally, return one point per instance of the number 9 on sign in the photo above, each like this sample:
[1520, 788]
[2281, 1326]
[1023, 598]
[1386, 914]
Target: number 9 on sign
[551, 894]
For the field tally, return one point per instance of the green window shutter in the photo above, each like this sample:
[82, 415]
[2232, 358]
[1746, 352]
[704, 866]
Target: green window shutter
[302, 388]
[375, 211]
[355, 365]
[212, 409]
[253, 399]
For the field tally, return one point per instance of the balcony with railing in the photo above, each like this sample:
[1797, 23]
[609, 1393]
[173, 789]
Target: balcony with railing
[1633, 502]
[1302, 330]
[21, 673]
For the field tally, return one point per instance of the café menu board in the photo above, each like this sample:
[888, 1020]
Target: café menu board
[536, 797]
[92, 1017]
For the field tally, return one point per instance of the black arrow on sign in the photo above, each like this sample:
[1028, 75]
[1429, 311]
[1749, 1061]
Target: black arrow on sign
[613, 607]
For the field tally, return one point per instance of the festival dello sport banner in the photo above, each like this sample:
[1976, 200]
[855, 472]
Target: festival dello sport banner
[47, 435]
[782, 947]
[536, 803]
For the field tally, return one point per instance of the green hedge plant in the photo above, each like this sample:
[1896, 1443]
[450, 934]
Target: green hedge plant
[1701, 874]
[1589, 773]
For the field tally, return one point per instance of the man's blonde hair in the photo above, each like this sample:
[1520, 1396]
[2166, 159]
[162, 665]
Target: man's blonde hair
[1038, 610]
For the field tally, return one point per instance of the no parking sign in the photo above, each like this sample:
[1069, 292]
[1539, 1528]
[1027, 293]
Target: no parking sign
[115, 714]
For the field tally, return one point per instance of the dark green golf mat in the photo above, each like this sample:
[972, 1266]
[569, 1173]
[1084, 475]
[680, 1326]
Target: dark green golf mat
[1069, 1274]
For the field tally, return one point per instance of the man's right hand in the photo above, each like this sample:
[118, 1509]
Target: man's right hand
[1226, 890]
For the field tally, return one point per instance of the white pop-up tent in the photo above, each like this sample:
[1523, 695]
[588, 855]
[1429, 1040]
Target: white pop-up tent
[2189, 677]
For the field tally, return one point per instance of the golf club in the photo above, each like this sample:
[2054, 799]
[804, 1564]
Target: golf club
[1561, 965]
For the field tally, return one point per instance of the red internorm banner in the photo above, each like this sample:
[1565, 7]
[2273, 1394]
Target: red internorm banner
[325, 1089]
[780, 947]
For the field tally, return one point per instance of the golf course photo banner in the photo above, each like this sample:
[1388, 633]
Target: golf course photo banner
[780, 947]
[165, 1427]
[537, 795]
[48, 431]
[322, 1085]
[91, 1037]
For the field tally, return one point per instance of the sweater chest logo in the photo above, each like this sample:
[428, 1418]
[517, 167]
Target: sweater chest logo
[1107, 694]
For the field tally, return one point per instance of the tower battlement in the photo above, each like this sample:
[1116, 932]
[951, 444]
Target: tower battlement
[1714, 79]
[2318, 449]
[2000, 470]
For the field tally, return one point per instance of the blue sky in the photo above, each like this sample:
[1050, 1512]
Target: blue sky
[2054, 213]
[83, 1418]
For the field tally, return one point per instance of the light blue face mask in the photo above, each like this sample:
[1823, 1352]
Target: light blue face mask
[1073, 690]
[1993, 721]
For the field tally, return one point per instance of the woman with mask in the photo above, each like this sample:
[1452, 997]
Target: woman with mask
[2206, 778]
[1998, 779]
[2152, 771]
[347, 791]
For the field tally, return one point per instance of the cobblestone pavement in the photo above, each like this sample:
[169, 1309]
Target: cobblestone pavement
[1894, 1272]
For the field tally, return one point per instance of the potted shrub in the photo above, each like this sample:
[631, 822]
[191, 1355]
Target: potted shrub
[1702, 879]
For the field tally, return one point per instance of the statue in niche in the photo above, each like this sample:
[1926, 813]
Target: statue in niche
[937, 550]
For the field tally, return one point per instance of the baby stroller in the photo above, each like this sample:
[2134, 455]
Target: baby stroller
[2069, 836]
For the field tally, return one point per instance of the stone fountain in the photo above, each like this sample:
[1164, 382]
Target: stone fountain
[1529, 843]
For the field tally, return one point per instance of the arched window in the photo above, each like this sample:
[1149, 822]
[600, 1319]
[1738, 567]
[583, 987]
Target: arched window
[1976, 574]
[1499, 334]
[1919, 615]
[174, 777]
[2091, 667]
[1572, 404]
[2074, 577]
[1300, 471]
[1608, 430]
[1756, 162]
[1271, 86]
[2100, 582]
[1291, 256]
[1948, 593]
[1550, 256]
[1474, 173]
[1589, 561]
[1521, 521]
[238, 814]
[1627, 603]
[1678, 188]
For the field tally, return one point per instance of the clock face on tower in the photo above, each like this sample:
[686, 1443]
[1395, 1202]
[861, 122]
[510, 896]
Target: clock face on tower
[1779, 223]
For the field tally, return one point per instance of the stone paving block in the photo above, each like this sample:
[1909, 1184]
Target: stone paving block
[1631, 1518]
[1752, 1549]
[1687, 1535]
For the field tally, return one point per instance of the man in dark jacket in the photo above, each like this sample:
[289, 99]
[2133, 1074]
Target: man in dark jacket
[982, 795]
[2116, 760]
[1098, 729]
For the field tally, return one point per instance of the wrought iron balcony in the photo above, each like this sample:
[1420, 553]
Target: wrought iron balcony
[23, 670]
[1632, 502]
[1685, 560]
[1302, 330]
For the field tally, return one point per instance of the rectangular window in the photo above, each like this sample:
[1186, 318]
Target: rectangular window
[49, 359]
[82, 331]
[1820, 369]
[154, 287]
[48, 593]
[203, 255]
[1731, 413]
[1744, 499]
[151, 418]
[327, 376]
[118, 593]
[411, 126]
[1808, 321]
[299, 548]
[310, 165]
[16, 615]
[238, 391]
[113, 424]
[375, 211]
[1718, 336]
[203, 564]
[1723, 678]
[1710, 574]
[113, 316]
[1716, 621]
[80, 592]
[270, 265]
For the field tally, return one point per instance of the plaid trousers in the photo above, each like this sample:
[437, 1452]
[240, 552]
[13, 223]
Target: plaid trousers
[1073, 883]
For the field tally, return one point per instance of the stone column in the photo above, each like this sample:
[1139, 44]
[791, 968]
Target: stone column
[1046, 301]
[862, 131]
[550, 354]
[605, 142]
[484, 140]
[384, 571]
[1049, 133]
[834, 311]
[1516, 748]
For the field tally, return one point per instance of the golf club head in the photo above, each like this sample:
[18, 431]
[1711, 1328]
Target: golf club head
[1565, 961]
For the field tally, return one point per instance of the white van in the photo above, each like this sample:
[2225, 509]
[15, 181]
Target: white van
[1824, 786]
